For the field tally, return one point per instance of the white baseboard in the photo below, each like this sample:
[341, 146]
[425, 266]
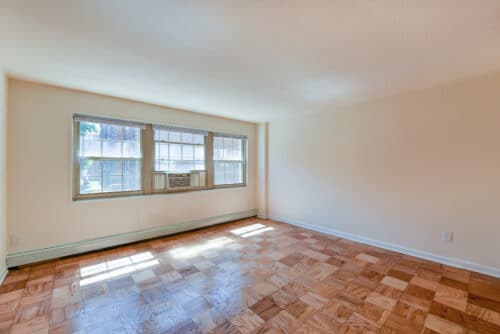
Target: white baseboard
[37, 255]
[451, 261]
[3, 274]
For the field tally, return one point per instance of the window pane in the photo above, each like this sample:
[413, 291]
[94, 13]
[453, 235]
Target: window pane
[131, 175]
[228, 160]
[218, 172]
[187, 152]
[187, 137]
[161, 135]
[175, 166]
[218, 148]
[161, 151]
[131, 149]
[198, 139]
[175, 152]
[131, 167]
[238, 149]
[112, 183]
[239, 172]
[187, 165]
[111, 148]
[112, 167]
[90, 176]
[161, 165]
[184, 152]
[99, 141]
[174, 136]
[199, 152]
[105, 140]
[90, 147]
[199, 165]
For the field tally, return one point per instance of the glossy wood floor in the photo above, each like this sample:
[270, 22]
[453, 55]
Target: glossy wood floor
[251, 276]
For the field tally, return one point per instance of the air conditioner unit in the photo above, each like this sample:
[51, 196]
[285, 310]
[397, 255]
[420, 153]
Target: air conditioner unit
[179, 181]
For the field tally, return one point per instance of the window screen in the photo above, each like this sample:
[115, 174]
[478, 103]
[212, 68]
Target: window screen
[110, 157]
[229, 159]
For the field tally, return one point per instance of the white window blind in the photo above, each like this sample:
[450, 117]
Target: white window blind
[178, 149]
[229, 159]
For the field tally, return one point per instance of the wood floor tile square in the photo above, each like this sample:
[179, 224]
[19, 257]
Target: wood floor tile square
[394, 283]
[293, 259]
[300, 310]
[442, 326]
[398, 325]
[266, 308]
[367, 258]
[381, 301]
[322, 322]
[480, 326]
[424, 283]
[448, 313]
[409, 312]
[404, 276]
[483, 314]
[247, 321]
[313, 300]
[285, 322]
[451, 297]
[373, 314]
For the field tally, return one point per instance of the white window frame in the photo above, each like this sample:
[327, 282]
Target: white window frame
[77, 118]
[243, 161]
[148, 158]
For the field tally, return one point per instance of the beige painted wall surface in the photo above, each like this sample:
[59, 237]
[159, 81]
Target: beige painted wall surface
[3, 172]
[399, 170]
[41, 211]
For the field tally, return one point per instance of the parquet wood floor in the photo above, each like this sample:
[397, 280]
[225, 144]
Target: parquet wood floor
[250, 276]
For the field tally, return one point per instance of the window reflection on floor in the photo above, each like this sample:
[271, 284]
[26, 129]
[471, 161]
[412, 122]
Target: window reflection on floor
[106, 270]
[124, 265]
[190, 251]
[250, 230]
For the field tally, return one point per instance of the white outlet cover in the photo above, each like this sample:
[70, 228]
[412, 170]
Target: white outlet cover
[447, 236]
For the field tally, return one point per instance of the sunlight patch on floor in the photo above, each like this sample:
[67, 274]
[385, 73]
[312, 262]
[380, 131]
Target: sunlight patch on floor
[114, 268]
[190, 251]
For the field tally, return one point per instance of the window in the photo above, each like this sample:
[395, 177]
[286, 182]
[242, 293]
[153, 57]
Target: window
[109, 156]
[118, 158]
[178, 150]
[229, 159]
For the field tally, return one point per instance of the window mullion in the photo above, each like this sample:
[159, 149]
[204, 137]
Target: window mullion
[147, 159]
[209, 160]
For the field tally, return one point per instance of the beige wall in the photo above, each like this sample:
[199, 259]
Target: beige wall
[41, 212]
[3, 171]
[399, 170]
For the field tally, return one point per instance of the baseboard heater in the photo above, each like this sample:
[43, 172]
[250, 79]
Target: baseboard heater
[43, 254]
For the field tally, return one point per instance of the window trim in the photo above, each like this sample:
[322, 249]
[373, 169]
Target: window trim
[77, 118]
[148, 159]
[161, 127]
[244, 160]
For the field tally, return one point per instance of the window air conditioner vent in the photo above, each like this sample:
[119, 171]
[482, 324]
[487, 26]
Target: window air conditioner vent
[179, 181]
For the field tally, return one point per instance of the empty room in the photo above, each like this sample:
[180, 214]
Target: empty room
[247, 167]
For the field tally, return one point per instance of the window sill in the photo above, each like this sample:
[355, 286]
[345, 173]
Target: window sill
[117, 195]
[234, 185]
[84, 197]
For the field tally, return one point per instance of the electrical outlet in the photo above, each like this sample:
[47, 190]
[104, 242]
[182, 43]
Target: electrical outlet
[447, 236]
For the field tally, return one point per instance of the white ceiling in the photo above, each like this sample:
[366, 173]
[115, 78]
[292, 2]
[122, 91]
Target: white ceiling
[249, 60]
